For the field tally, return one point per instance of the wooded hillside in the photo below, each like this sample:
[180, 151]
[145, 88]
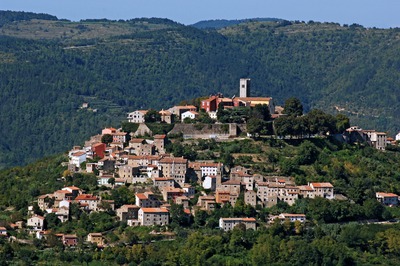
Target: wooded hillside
[49, 67]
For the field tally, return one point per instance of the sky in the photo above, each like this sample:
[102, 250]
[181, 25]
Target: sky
[369, 13]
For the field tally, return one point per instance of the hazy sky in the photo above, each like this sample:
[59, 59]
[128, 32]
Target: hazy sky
[369, 13]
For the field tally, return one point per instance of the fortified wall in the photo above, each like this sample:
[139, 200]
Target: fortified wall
[207, 131]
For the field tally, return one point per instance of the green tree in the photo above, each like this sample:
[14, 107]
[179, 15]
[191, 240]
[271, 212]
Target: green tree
[307, 153]
[293, 107]
[152, 116]
[107, 138]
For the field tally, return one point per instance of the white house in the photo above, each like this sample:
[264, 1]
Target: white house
[292, 217]
[137, 116]
[210, 182]
[398, 136]
[77, 158]
[36, 222]
[211, 168]
[189, 114]
[390, 199]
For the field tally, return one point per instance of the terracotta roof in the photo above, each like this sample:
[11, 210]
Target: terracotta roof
[165, 112]
[322, 185]
[141, 196]
[160, 136]
[249, 219]
[136, 140]
[239, 219]
[210, 164]
[305, 188]
[73, 188]
[292, 215]
[3, 228]
[193, 112]
[70, 236]
[62, 192]
[38, 216]
[385, 194]
[79, 153]
[173, 190]
[231, 182]
[119, 134]
[95, 234]
[185, 107]
[155, 210]
[86, 197]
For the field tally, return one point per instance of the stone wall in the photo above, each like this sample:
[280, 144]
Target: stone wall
[206, 131]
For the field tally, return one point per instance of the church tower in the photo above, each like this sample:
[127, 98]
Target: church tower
[244, 88]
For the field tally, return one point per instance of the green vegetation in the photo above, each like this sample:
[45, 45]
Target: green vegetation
[50, 67]
[335, 233]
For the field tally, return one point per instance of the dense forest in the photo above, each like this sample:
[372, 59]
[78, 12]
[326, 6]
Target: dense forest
[49, 67]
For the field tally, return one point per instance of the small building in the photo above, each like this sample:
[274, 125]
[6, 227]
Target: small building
[153, 216]
[3, 231]
[170, 193]
[166, 116]
[77, 158]
[36, 222]
[189, 114]
[228, 224]
[292, 217]
[163, 182]
[323, 190]
[179, 110]
[250, 197]
[96, 238]
[210, 182]
[70, 240]
[137, 116]
[128, 212]
[98, 150]
[147, 200]
[88, 200]
[389, 199]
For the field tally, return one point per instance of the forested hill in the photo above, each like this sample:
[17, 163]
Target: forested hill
[222, 23]
[48, 68]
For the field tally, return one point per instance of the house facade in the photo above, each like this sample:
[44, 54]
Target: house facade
[228, 224]
[137, 116]
[389, 199]
[153, 216]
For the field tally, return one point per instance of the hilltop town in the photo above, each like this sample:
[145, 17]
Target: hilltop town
[164, 185]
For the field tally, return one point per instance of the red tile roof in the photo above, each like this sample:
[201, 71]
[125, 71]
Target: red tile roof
[86, 197]
[385, 194]
[322, 185]
[154, 210]
[141, 196]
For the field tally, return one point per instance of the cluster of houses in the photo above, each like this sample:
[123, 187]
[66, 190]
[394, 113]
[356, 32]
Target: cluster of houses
[168, 179]
[209, 105]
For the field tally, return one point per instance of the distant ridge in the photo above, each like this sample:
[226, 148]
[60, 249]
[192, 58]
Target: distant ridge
[10, 16]
[222, 23]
